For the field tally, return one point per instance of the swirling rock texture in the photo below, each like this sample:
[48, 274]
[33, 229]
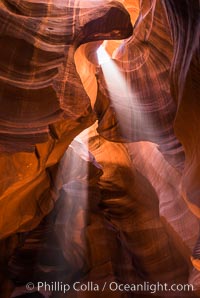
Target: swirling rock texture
[119, 203]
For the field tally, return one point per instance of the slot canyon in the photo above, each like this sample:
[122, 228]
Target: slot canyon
[99, 148]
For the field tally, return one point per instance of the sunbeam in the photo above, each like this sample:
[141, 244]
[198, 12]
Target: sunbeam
[130, 113]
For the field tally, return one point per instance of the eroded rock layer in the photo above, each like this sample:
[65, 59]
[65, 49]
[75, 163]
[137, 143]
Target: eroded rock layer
[120, 203]
[43, 103]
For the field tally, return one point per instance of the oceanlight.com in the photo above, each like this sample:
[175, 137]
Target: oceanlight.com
[108, 286]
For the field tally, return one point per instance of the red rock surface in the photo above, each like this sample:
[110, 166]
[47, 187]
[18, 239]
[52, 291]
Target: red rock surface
[121, 201]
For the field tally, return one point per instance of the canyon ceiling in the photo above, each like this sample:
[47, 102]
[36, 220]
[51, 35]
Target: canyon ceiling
[99, 153]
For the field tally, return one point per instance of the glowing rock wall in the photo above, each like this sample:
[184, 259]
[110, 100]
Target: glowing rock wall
[127, 210]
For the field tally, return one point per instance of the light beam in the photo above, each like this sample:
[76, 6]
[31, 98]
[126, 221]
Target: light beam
[130, 112]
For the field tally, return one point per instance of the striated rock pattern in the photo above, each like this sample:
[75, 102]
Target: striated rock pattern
[167, 183]
[145, 60]
[43, 103]
[100, 232]
[120, 202]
